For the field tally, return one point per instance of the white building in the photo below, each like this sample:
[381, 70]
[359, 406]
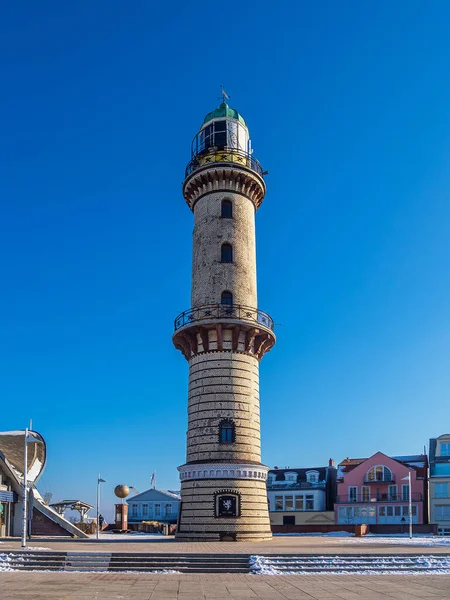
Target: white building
[154, 505]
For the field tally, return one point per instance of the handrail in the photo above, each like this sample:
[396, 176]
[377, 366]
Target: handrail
[225, 155]
[211, 312]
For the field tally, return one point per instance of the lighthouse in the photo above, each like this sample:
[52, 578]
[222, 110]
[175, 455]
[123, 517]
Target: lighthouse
[223, 336]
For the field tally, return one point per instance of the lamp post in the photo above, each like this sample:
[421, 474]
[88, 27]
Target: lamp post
[410, 504]
[28, 439]
[99, 481]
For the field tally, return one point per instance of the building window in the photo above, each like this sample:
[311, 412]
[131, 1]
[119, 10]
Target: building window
[157, 510]
[365, 492]
[226, 301]
[405, 492]
[445, 449]
[134, 510]
[379, 473]
[288, 519]
[227, 432]
[227, 209]
[309, 502]
[145, 510]
[442, 512]
[226, 255]
[278, 502]
[441, 490]
[352, 493]
[392, 493]
[168, 509]
[292, 477]
[299, 503]
[312, 477]
[289, 503]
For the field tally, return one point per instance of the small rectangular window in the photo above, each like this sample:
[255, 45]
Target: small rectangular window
[299, 504]
[289, 503]
[278, 502]
[309, 502]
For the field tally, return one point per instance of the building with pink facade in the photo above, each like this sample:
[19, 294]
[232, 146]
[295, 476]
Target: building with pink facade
[375, 491]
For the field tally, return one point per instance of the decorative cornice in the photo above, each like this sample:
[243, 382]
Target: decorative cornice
[253, 340]
[223, 471]
[227, 178]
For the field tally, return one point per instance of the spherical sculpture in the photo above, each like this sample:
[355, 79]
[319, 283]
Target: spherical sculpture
[122, 490]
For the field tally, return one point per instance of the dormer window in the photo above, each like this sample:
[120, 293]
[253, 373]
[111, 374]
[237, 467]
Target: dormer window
[312, 476]
[271, 478]
[379, 473]
[445, 449]
[291, 477]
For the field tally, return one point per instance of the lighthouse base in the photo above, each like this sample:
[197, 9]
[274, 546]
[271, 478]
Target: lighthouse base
[224, 510]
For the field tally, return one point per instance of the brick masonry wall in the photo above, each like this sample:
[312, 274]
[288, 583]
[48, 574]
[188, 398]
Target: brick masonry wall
[221, 385]
[210, 277]
[41, 525]
[197, 521]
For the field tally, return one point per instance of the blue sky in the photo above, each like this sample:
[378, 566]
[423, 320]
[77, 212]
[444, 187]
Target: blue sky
[348, 109]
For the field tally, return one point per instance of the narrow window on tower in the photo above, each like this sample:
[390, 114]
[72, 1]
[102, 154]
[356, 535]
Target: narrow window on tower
[226, 303]
[227, 209]
[226, 253]
[226, 432]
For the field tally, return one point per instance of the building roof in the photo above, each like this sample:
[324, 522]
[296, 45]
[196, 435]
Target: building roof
[153, 495]
[418, 462]
[224, 111]
[72, 504]
[301, 473]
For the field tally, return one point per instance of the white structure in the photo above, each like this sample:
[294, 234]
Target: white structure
[154, 505]
[41, 519]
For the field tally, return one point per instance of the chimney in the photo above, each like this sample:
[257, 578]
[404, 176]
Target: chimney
[331, 463]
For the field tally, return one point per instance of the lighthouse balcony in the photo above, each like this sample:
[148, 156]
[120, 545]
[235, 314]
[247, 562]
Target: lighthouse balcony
[224, 327]
[214, 154]
[212, 312]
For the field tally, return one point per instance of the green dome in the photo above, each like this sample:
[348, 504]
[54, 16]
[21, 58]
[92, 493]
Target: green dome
[224, 111]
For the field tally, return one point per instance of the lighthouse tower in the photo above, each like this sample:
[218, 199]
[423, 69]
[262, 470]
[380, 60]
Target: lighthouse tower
[223, 336]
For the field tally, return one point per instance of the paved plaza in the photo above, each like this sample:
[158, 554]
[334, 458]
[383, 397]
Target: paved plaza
[278, 545]
[107, 586]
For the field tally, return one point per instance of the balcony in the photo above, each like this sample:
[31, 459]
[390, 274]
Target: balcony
[215, 154]
[377, 481]
[212, 312]
[364, 498]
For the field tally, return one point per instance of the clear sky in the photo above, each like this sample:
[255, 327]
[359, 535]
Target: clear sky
[348, 107]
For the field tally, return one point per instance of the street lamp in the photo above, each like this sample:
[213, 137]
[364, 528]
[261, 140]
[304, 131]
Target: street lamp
[28, 439]
[99, 481]
[410, 503]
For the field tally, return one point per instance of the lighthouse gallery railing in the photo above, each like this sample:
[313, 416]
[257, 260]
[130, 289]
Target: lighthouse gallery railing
[224, 311]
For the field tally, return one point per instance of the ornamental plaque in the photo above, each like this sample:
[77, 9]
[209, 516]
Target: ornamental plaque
[227, 506]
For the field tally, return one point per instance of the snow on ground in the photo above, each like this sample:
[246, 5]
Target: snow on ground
[137, 535]
[5, 560]
[417, 540]
[326, 565]
[401, 538]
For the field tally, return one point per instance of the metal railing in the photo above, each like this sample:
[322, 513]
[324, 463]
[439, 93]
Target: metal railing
[379, 481]
[348, 499]
[210, 312]
[224, 155]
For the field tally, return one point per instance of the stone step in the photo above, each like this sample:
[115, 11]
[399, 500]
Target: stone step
[348, 564]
